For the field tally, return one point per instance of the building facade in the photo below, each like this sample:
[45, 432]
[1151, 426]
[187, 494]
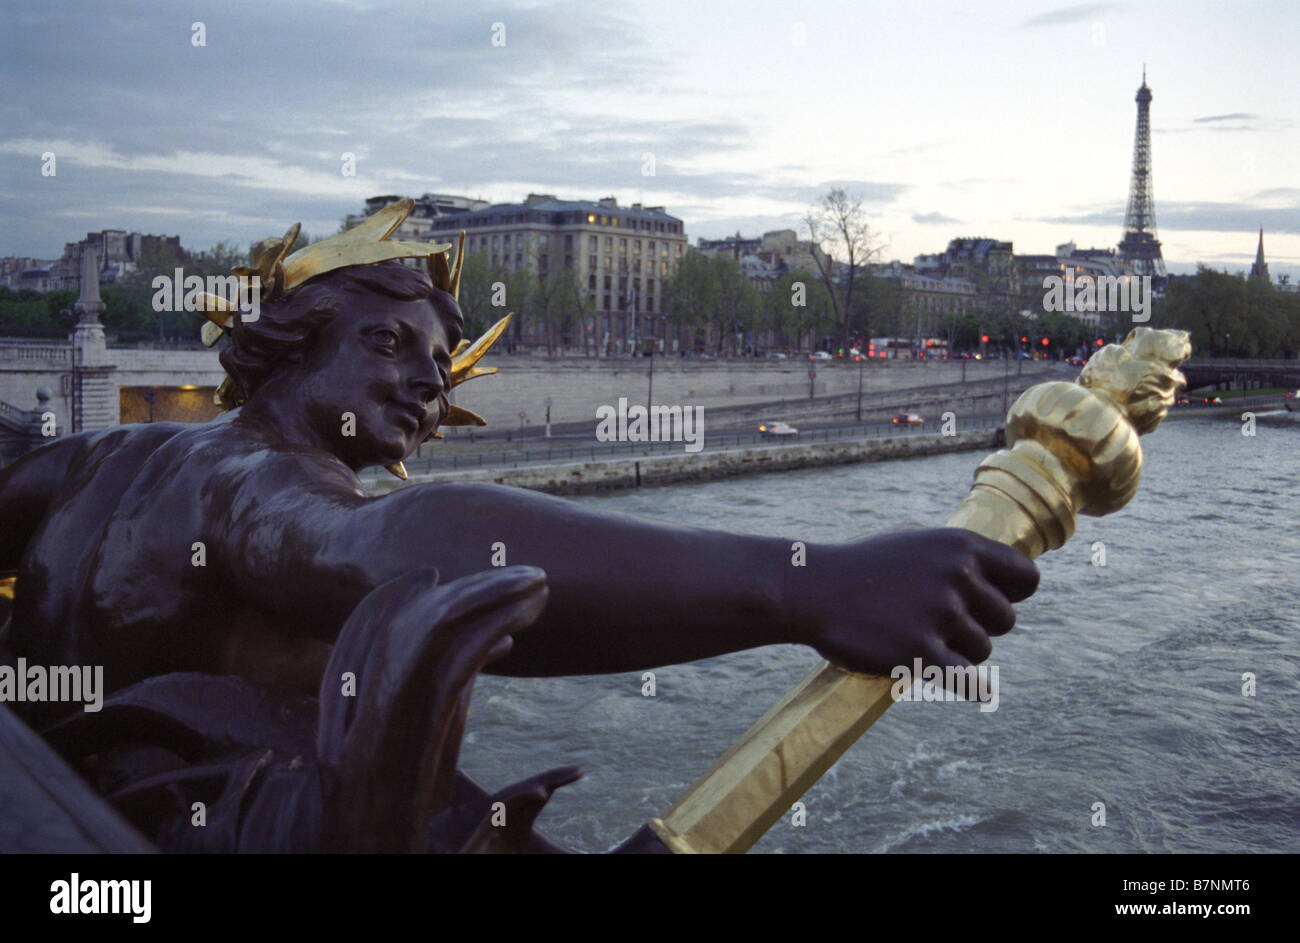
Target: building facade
[980, 261]
[428, 207]
[765, 259]
[928, 295]
[620, 256]
[118, 251]
[35, 274]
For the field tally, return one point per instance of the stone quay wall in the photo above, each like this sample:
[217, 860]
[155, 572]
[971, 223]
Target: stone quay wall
[613, 474]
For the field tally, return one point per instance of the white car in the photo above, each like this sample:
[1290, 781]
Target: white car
[821, 355]
[768, 429]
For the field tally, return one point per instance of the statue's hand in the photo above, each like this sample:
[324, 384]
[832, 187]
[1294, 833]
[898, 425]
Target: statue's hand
[935, 594]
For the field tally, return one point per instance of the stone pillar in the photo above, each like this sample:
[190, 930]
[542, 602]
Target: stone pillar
[94, 392]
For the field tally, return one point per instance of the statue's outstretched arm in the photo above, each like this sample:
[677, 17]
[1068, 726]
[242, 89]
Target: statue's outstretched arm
[627, 594]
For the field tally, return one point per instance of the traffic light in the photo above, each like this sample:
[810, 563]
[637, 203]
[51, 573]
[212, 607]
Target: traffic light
[1101, 342]
[1024, 340]
[1046, 342]
[984, 338]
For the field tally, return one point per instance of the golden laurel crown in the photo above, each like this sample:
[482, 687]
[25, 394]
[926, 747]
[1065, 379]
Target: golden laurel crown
[367, 243]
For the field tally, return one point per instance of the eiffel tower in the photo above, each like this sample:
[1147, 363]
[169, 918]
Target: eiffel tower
[1140, 249]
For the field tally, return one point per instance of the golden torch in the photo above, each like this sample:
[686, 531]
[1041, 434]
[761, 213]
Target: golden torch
[1073, 449]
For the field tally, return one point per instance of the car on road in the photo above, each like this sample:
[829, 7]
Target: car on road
[773, 429]
[821, 355]
[908, 419]
[776, 356]
[1076, 361]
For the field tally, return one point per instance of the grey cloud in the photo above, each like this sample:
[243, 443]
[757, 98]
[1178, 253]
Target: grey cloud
[870, 191]
[419, 95]
[131, 77]
[930, 218]
[1071, 14]
[1197, 216]
[1234, 116]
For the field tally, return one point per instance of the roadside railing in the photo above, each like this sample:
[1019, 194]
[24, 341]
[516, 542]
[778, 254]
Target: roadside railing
[721, 442]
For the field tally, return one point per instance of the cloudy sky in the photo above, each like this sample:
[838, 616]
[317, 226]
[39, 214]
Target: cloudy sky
[1013, 120]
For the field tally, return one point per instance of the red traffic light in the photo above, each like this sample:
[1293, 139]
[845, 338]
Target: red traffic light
[984, 338]
[1101, 342]
[1046, 342]
[1024, 340]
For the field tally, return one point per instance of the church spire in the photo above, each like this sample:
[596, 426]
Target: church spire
[1260, 268]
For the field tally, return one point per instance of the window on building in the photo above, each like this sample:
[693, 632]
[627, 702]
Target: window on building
[609, 243]
[543, 261]
[542, 241]
[636, 266]
[568, 242]
[663, 268]
[650, 283]
[606, 306]
[622, 247]
[591, 283]
[496, 243]
[591, 243]
[650, 247]
[591, 262]
[568, 261]
[650, 302]
[679, 250]
[608, 282]
[636, 246]
[609, 262]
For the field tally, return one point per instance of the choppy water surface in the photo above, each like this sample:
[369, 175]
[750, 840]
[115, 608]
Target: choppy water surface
[1120, 684]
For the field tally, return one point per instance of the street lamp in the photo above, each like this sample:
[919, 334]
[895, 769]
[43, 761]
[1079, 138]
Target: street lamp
[858, 358]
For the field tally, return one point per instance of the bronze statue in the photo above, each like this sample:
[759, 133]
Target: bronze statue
[231, 577]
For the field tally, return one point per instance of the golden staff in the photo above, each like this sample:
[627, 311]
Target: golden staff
[1073, 449]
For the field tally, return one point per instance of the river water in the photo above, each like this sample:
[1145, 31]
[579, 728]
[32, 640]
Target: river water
[1121, 684]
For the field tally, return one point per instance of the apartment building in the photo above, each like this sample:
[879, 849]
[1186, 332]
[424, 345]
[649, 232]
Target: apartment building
[619, 255]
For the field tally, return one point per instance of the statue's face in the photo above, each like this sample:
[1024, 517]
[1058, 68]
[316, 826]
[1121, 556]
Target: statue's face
[372, 383]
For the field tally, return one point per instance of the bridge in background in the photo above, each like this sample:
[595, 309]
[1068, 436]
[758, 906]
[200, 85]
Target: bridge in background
[1204, 372]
